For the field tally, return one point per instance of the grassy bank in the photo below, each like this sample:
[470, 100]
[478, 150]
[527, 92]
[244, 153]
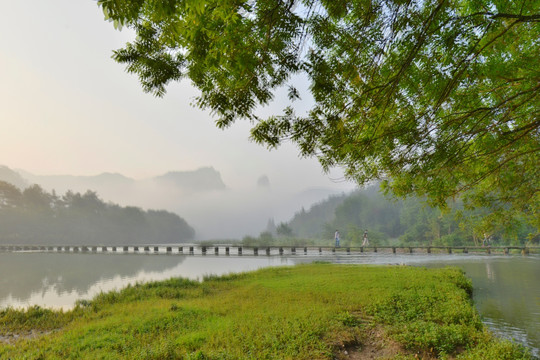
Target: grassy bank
[317, 311]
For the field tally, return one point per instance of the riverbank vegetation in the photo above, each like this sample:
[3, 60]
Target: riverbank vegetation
[408, 222]
[34, 216]
[316, 311]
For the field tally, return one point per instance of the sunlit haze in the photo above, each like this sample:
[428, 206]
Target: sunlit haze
[68, 108]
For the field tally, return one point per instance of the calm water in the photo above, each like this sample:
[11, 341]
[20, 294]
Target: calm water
[506, 288]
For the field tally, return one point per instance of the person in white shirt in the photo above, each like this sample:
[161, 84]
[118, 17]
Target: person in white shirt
[366, 241]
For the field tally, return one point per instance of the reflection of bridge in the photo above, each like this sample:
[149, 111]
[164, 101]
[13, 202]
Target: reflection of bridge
[238, 249]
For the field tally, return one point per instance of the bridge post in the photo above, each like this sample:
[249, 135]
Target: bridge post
[449, 250]
[506, 251]
[280, 250]
[216, 250]
[94, 248]
[525, 251]
[156, 248]
[226, 250]
[361, 249]
[268, 251]
[114, 248]
[239, 250]
[488, 250]
[126, 248]
[393, 249]
[75, 249]
[348, 250]
[293, 250]
[465, 250]
[255, 251]
[429, 249]
[191, 250]
[169, 249]
[320, 250]
[305, 250]
[104, 249]
[181, 249]
[50, 248]
[410, 250]
[203, 249]
[147, 248]
[374, 249]
[333, 250]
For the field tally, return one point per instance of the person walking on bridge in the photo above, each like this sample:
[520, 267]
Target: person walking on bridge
[366, 241]
[336, 237]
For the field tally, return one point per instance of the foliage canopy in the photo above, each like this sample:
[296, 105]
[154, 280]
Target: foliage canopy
[437, 97]
[409, 220]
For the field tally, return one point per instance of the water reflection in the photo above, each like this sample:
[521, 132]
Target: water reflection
[24, 273]
[507, 295]
[57, 280]
[490, 273]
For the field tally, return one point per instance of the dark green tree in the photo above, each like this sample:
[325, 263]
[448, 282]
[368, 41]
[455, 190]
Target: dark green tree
[10, 195]
[37, 199]
[284, 230]
[37, 217]
[311, 223]
[439, 98]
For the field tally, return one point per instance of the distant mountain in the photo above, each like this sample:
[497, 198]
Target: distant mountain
[263, 182]
[117, 187]
[214, 209]
[202, 179]
[12, 177]
[63, 183]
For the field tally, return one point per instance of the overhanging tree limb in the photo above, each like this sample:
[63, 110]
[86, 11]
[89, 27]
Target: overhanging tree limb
[423, 93]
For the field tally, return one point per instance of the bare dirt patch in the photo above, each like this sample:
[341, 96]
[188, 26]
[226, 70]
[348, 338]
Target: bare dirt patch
[374, 344]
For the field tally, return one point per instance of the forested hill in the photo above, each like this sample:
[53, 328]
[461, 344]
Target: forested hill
[34, 216]
[407, 221]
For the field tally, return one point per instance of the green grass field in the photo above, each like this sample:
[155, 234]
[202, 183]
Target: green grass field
[316, 311]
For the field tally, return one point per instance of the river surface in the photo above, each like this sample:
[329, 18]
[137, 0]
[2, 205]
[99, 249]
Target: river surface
[506, 288]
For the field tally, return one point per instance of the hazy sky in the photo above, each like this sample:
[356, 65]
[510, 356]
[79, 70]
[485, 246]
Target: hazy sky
[67, 108]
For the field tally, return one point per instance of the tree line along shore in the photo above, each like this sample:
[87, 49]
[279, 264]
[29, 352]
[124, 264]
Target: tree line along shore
[34, 216]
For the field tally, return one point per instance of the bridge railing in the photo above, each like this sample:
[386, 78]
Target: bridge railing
[238, 249]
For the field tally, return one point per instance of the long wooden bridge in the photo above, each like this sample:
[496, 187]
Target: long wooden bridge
[268, 250]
